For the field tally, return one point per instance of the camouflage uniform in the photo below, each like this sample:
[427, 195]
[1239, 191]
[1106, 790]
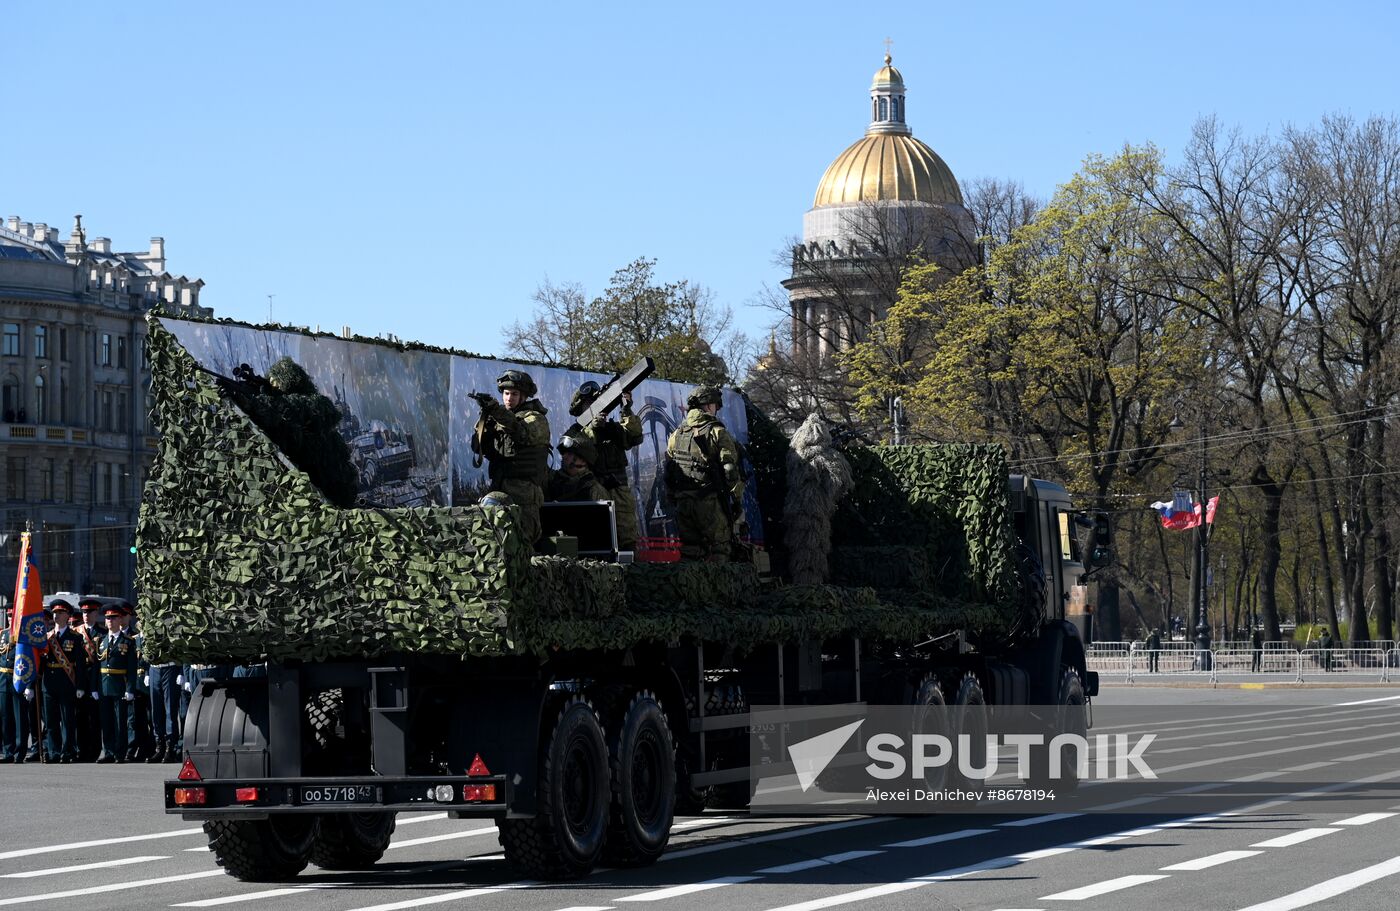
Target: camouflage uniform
[581, 485]
[702, 466]
[516, 446]
[612, 439]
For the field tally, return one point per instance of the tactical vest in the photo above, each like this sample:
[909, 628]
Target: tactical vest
[607, 438]
[512, 461]
[688, 461]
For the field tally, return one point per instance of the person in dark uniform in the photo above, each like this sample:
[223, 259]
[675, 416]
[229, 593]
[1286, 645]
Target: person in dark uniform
[166, 714]
[612, 439]
[704, 478]
[574, 481]
[116, 666]
[512, 435]
[65, 672]
[14, 708]
[142, 742]
[92, 630]
[1154, 650]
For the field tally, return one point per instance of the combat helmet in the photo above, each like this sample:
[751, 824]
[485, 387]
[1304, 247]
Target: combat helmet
[704, 395]
[584, 397]
[497, 498]
[517, 379]
[579, 446]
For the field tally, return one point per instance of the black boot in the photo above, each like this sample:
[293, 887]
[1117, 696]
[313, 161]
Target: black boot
[158, 754]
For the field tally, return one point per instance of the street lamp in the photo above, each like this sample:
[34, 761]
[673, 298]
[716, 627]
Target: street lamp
[1202, 558]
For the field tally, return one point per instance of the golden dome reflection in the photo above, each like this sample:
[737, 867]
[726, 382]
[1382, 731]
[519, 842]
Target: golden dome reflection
[888, 166]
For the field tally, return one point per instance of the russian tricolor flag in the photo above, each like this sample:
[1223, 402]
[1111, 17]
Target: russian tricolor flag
[1182, 513]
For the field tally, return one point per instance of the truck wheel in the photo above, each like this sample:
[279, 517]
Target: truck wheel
[642, 759]
[351, 841]
[262, 850]
[970, 718]
[566, 836]
[933, 719]
[1070, 718]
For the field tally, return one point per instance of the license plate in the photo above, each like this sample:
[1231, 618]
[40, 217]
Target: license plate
[335, 793]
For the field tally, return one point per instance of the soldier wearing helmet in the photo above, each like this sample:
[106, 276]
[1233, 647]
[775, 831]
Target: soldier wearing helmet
[575, 481]
[704, 479]
[513, 436]
[612, 439]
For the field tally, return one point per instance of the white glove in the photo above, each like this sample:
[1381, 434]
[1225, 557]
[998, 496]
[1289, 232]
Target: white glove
[81, 694]
[188, 688]
[146, 680]
[180, 680]
[93, 694]
[128, 697]
[29, 694]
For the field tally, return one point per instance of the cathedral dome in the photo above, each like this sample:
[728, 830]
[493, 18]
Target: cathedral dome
[888, 164]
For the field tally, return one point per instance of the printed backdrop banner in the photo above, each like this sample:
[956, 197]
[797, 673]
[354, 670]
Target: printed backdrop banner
[407, 420]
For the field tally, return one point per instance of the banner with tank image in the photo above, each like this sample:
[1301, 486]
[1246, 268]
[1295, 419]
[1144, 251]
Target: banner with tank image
[407, 418]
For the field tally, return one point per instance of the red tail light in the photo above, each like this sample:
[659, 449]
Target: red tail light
[188, 772]
[190, 797]
[245, 795]
[479, 793]
[478, 768]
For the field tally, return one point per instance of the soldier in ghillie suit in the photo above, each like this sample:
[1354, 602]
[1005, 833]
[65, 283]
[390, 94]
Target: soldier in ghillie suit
[513, 436]
[304, 425]
[704, 478]
[818, 476]
[612, 439]
[575, 482]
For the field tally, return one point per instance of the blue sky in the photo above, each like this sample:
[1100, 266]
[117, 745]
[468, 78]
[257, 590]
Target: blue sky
[420, 167]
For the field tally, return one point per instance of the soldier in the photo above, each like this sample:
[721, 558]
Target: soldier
[513, 436]
[704, 478]
[14, 707]
[612, 439]
[116, 665]
[141, 744]
[92, 630]
[575, 481]
[165, 710]
[65, 677]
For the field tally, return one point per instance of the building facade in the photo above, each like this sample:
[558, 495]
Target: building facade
[75, 431]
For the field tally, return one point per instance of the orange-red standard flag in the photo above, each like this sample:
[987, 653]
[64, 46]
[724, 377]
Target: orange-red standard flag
[27, 629]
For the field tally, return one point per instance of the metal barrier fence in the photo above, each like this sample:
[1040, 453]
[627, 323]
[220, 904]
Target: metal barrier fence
[1271, 665]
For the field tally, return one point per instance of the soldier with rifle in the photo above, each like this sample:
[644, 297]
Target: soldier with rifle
[612, 439]
[704, 478]
[512, 435]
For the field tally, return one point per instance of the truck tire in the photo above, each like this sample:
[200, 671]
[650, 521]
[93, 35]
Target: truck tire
[566, 836]
[642, 762]
[262, 850]
[351, 841]
[970, 714]
[1069, 719]
[928, 695]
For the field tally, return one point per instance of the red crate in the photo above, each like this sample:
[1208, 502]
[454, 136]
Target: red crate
[658, 550]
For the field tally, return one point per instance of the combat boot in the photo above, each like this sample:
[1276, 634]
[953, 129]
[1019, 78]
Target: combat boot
[157, 754]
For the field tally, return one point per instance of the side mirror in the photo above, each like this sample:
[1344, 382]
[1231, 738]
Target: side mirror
[1101, 546]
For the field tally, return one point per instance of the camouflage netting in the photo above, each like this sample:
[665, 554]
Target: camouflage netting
[242, 558]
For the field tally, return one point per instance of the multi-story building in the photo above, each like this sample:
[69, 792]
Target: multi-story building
[75, 436]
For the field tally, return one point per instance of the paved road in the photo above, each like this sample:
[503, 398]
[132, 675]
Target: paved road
[88, 837]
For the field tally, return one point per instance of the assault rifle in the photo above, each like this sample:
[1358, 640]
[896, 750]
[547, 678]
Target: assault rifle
[245, 381]
[611, 394]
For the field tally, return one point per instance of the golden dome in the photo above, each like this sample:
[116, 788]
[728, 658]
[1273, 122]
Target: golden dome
[887, 76]
[888, 166]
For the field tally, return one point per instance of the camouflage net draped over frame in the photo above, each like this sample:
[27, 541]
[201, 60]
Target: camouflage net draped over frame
[241, 557]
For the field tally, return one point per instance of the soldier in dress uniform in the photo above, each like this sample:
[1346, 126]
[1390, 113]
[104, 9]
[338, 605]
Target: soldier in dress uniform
[142, 742]
[116, 666]
[704, 478]
[65, 676]
[513, 436]
[14, 708]
[575, 481]
[612, 439]
[92, 630]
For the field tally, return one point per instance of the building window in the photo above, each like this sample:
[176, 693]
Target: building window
[882, 110]
[12, 346]
[118, 485]
[41, 401]
[9, 398]
[123, 414]
[63, 344]
[46, 479]
[106, 549]
[14, 478]
[121, 351]
[145, 353]
[58, 557]
[66, 484]
[106, 355]
[41, 341]
[63, 400]
[107, 409]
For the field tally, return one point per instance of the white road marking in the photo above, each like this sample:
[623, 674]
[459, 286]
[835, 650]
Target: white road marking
[448, 896]
[686, 889]
[1211, 860]
[431, 817]
[109, 887]
[783, 835]
[1108, 885]
[1330, 888]
[938, 839]
[74, 846]
[235, 899]
[1294, 838]
[815, 862]
[51, 871]
[429, 839]
[1037, 820]
[1043, 853]
[694, 823]
[204, 848]
[1309, 766]
[1363, 819]
[588, 908]
[1369, 701]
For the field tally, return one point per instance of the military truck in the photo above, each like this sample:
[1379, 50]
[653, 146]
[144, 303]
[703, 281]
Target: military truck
[400, 660]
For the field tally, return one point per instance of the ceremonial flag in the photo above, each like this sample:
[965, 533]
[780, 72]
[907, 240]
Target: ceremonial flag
[1182, 513]
[27, 629]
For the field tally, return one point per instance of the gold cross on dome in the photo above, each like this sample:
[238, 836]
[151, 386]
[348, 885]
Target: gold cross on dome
[888, 44]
